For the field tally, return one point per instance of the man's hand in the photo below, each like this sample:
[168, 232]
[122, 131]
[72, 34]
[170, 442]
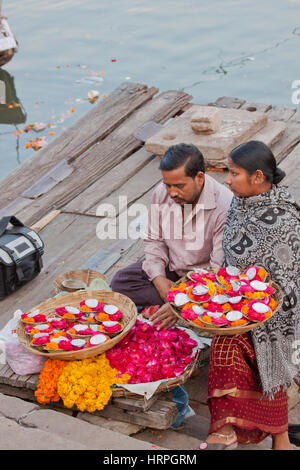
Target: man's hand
[165, 315]
[163, 286]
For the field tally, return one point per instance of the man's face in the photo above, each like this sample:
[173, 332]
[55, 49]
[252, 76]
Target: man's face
[181, 188]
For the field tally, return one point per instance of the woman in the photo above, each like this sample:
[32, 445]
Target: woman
[250, 373]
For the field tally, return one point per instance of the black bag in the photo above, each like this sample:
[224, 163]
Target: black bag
[21, 251]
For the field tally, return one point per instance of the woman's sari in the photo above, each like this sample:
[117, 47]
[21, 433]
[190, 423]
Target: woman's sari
[249, 374]
[235, 394]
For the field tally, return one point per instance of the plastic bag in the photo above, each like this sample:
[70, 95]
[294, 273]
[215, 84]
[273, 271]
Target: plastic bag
[21, 361]
[8, 334]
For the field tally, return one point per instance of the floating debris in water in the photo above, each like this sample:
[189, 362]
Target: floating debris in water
[93, 95]
[90, 80]
[37, 143]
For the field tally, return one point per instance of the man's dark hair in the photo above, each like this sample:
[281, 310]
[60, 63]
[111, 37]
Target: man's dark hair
[183, 154]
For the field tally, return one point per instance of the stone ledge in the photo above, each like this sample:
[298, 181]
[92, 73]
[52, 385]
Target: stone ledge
[93, 437]
[15, 408]
[118, 426]
[16, 437]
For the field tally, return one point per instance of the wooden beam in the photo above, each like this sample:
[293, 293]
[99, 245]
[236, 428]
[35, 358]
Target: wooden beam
[70, 144]
[101, 158]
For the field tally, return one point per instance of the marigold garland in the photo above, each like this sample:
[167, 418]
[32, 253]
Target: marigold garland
[87, 383]
[47, 387]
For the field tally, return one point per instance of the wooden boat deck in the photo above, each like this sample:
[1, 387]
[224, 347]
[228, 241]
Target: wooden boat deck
[58, 189]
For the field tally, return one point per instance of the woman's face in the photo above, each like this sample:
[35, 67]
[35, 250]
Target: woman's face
[240, 182]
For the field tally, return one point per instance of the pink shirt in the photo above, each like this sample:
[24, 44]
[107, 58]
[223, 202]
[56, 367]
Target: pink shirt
[181, 240]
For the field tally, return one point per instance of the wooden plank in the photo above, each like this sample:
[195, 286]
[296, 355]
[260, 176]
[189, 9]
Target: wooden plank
[295, 117]
[271, 133]
[58, 173]
[91, 128]
[18, 392]
[132, 404]
[122, 251]
[131, 255]
[228, 102]
[14, 206]
[287, 142]
[21, 380]
[110, 182]
[147, 130]
[161, 415]
[60, 257]
[32, 382]
[106, 263]
[8, 377]
[291, 166]
[38, 226]
[254, 106]
[3, 368]
[280, 113]
[6, 374]
[139, 184]
[89, 167]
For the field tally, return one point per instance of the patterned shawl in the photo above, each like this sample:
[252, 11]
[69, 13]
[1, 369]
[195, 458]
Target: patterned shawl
[264, 230]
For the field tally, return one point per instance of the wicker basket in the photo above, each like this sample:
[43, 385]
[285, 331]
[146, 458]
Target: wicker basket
[85, 275]
[166, 386]
[48, 307]
[234, 330]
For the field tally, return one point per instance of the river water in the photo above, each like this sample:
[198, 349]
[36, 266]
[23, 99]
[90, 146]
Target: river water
[68, 48]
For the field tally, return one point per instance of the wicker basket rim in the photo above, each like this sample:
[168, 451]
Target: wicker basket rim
[79, 274]
[130, 316]
[235, 330]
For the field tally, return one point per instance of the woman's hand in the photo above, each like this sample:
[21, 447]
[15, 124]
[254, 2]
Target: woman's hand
[162, 285]
[165, 315]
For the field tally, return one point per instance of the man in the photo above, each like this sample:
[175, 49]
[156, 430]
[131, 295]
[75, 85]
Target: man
[185, 227]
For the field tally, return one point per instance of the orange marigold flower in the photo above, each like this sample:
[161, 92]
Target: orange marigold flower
[91, 319]
[207, 319]
[198, 322]
[262, 273]
[272, 303]
[103, 316]
[34, 331]
[84, 308]
[238, 322]
[226, 307]
[245, 309]
[69, 315]
[220, 290]
[58, 334]
[47, 387]
[51, 345]
[255, 295]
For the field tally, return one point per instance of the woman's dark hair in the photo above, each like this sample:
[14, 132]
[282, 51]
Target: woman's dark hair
[183, 154]
[255, 155]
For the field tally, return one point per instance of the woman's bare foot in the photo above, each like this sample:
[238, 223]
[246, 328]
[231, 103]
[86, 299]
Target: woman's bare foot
[281, 441]
[226, 435]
